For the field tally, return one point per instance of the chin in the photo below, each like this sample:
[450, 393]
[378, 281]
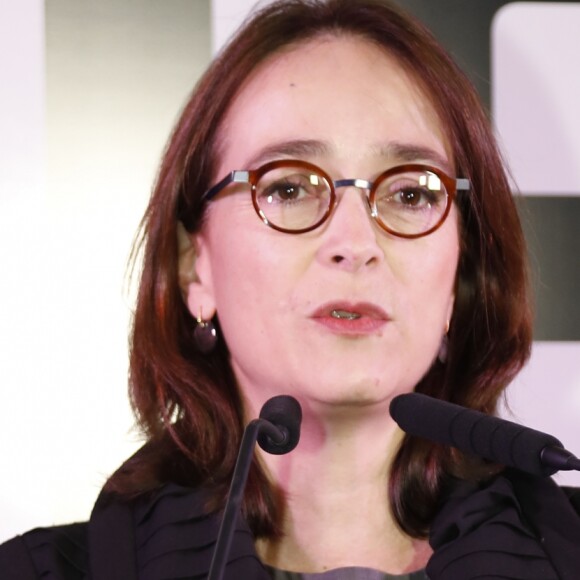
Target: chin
[355, 395]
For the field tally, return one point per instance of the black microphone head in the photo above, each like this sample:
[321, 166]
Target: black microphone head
[406, 410]
[476, 433]
[285, 413]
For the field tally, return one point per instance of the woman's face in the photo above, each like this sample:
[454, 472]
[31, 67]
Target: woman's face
[275, 293]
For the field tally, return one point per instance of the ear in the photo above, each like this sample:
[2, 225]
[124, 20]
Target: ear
[195, 280]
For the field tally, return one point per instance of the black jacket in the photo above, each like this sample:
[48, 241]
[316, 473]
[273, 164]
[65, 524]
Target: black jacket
[515, 527]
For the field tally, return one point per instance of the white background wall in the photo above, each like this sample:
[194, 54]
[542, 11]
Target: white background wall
[88, 93]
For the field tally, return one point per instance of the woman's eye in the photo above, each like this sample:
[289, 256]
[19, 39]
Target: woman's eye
[414, 197]
[410, 194]
[289, 189]
[285, 191]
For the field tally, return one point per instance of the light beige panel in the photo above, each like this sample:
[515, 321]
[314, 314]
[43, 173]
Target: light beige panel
[117, 74]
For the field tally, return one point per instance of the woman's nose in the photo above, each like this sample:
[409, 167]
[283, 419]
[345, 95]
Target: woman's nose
[349, 238]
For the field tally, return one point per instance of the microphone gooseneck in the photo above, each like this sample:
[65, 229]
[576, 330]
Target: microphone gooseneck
[479, 434]
[278, 432]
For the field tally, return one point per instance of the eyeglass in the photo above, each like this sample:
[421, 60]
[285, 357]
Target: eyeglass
[295, 197]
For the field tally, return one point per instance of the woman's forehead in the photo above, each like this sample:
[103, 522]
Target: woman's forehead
[341, 91]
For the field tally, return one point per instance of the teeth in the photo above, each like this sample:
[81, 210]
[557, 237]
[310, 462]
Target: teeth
[344, 314]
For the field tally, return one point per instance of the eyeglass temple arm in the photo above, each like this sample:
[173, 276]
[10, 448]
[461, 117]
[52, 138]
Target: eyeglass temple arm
[236, 176]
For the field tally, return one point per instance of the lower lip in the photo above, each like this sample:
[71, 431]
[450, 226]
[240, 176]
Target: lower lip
[357, 327]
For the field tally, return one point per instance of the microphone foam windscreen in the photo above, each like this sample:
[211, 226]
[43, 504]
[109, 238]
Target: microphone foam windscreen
[285, 413]
[473, 432]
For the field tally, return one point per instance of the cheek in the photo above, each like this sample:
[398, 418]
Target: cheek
[249, 267]
[443, 277]
[439, 270]
[428, 272]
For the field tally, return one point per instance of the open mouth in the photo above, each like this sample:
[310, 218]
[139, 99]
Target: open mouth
[343, 310]
[344, 314]
[351, 318]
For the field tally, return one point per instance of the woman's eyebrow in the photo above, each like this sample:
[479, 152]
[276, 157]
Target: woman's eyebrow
[298, 148]
[393, 151]
[412, 153]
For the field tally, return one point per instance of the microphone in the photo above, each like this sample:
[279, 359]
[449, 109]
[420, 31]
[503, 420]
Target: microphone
[277, 431]
[280, 428]
[474, 432]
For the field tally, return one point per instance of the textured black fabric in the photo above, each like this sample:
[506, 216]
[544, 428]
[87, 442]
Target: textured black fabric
[166, 536]
[553, 518]
[573, 495]
[516, 527]
[48, 553]
[111, 540]
[175, 538]
[15, 561]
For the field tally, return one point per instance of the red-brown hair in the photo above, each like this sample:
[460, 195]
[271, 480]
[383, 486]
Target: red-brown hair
[188, 404]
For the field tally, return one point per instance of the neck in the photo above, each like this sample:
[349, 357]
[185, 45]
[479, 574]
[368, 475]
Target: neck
[337, 512]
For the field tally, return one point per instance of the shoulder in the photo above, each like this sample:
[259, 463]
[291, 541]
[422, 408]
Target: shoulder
[166, 533]
[61, 551]
[176, 535]
[525, 526]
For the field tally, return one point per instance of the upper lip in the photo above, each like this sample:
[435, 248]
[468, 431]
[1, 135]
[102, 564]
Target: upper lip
[367, 309]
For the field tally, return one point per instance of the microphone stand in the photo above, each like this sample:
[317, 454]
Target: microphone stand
[236, 492]
[277, 431]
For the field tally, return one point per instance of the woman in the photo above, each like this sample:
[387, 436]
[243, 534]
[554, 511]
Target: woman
[331, 221]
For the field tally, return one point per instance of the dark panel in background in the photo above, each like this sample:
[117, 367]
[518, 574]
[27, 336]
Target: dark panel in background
[463, 27]
[551, 224]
